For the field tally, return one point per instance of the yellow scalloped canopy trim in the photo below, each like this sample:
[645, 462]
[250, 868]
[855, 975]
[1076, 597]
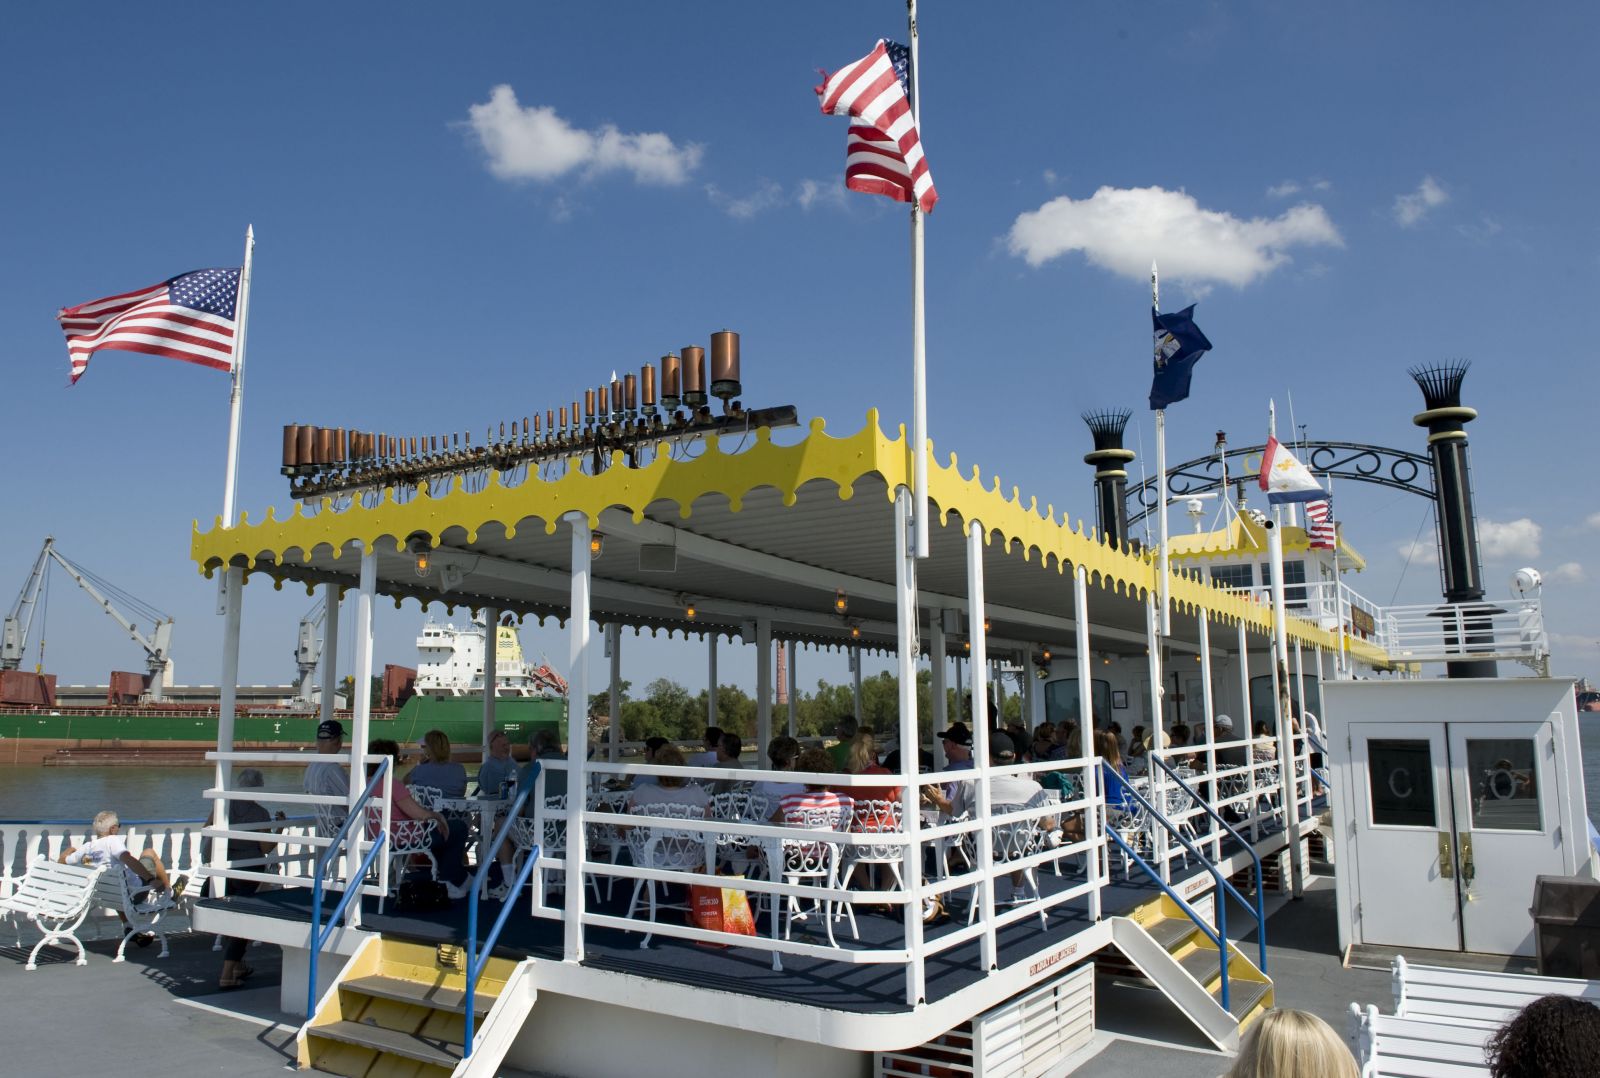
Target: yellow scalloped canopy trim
[786, 468]
[1240, 537]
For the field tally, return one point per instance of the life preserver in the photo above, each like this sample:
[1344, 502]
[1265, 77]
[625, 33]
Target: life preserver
[1394, 788]
[1494, 788]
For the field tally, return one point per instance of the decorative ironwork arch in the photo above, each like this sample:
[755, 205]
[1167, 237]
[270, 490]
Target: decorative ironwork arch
[1397, 468]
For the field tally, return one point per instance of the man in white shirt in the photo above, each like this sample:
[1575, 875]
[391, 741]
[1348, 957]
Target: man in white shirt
[327, 777]
[147, 876]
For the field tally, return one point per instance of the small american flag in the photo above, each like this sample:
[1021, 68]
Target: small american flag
[883, 154]
[189, 317]
[1319, 525]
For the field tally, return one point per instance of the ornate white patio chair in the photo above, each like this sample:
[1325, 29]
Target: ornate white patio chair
[1012, 840]
[662, 846]
[875, 818]
[817, 862]
[409, 838]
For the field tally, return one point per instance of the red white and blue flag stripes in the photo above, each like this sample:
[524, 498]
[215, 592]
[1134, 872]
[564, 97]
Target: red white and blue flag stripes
[190, 317]
[1285, 479]
[883, 153]
[1320, 534]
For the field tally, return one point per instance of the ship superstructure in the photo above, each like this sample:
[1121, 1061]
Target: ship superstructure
[450, 662]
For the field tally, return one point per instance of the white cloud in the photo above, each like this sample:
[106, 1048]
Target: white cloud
[765, 197]
[1283, 190]
[1592, 522]
[1409, 209]
[1122, 230]
[1568, 572]
[1419, 551]
[1050, 177]
[534, 143]
[1322, 185]
[1509, 540]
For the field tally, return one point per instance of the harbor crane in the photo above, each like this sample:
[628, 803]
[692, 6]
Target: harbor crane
[308, 653]
[19, 623]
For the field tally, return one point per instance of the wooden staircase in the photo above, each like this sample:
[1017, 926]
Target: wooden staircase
[399, 1008]
[1173, 954]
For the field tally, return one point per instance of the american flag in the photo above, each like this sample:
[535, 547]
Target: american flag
[189, 317]
[1319, 525]
[883, 153]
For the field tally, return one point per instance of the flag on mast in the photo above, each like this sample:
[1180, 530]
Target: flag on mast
[1285, 479]
[1179, 346]
[189, 317]
[883, 152]
[1320, 533]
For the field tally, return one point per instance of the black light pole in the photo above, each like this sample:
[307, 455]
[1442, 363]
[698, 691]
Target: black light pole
[1446, 419]
[1110, 463]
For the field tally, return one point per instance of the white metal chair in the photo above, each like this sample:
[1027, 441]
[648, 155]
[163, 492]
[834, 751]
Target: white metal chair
[664, 847]
[604, 837]
[1012, 840]
[112, 892]
[816, 861]
[552, 845]
[428, 797]
[409, 838]
[875, 818]
[56, 898]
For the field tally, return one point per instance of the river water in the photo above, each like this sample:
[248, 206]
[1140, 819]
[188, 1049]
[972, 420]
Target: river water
[174, 793]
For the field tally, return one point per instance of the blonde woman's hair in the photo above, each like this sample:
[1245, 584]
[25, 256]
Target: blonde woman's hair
[104, 822]
[670, 756]
[438, 743]
[1293, 1044]
[863, 753]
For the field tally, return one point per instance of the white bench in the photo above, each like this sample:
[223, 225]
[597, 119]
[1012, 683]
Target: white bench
[112, 892]
[56, 898]
[1388, 1046]
[1471, 997]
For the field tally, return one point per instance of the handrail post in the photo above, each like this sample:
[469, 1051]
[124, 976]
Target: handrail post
[476, 960]
[319, 935]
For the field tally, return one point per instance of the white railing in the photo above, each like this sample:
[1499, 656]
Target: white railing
[176, 842]
[955, 861]
[1511, 629]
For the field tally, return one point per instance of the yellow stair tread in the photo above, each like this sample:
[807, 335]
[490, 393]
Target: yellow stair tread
[437, 997]
[392, 1041]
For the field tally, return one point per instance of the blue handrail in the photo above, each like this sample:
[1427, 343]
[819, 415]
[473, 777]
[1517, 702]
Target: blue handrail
[475, 960]
[319, 934]
[1216, 874]
[1322, 776]
[1261, 909]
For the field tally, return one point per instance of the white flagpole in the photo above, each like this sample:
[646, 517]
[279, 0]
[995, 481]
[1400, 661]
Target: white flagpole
[1161, 473]
[236, 398]
[919, 359]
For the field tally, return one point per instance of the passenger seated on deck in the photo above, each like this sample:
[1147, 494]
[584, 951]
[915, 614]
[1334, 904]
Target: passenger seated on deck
[448, 843]
[1112, 773]
[729, 749]
[495, 771]
[327, 777]
[543, 744]
[1295, 1044]
[670, 789]
[437, 769]
[782, 753]
[652, 747]
[707, 757]
[147, 876]
[816, 796]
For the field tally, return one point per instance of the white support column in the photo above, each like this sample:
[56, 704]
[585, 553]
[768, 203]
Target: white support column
[1206, 716]
[1028, 719]
[905, 581]
[938, 664]
[1091, 775]
[1280, 671]
[1158, 728]
[1248, 731]
[998, 677]
[1302, 782]
[328, 661]
[793, 687]
[711, 682]
[577, 741]
[614, 730]
[233, 616]
[763, 681]
[361, 702]
[491, 672]
[980, 741]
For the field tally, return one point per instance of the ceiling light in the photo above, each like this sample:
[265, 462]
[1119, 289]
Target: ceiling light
[841, 602]
[597, 543]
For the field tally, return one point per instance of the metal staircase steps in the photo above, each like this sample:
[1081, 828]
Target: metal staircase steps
[391, 1042]
[439, 998]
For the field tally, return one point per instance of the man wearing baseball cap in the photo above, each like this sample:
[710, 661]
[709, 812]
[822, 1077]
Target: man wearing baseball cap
[958, 754]
[327, 777]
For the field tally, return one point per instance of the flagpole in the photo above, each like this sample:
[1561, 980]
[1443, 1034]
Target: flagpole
[236, 397]
[919, 359]
[1161, 473]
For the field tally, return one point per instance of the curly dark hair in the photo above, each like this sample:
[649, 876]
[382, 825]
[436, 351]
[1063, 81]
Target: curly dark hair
[1552, 1037]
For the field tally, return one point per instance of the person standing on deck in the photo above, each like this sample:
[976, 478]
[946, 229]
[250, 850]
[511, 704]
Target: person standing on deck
[327, 777]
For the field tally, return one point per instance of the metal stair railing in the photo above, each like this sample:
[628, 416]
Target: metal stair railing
[476, 961]
[320, 934]
[1218, 937]
[1260, 903]
[1322, 776]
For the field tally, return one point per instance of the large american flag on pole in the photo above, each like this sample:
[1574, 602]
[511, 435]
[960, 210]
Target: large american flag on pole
[883, 152]
[1320, 533]
[189, 317]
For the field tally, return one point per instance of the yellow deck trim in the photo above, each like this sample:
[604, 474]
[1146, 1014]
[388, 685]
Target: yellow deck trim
[734, 475]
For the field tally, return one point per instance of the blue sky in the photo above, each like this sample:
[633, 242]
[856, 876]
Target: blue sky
[468, 214]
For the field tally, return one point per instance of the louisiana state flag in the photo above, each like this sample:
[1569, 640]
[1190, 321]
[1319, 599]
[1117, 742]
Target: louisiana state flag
[1179, 346]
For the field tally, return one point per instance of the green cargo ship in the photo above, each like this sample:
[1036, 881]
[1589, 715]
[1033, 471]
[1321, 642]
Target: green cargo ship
[116, 736]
